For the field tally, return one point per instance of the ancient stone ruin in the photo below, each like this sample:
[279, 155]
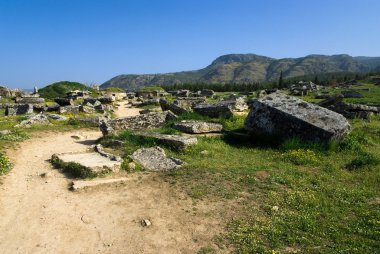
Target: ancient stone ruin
[286, 117]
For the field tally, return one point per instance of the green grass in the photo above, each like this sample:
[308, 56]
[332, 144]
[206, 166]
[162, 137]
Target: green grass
[73, 169]
[291, 195]
[5, 164]
[59, 89]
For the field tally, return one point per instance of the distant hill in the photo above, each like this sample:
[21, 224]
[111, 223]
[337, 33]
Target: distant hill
[59, 89]
[250, 68]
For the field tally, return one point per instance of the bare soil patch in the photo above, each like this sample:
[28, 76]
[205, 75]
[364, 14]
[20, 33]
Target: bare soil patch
[40, 215]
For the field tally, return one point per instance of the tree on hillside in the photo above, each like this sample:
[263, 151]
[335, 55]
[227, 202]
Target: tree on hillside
[281, 81]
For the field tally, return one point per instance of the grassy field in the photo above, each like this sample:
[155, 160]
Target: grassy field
[292, 196]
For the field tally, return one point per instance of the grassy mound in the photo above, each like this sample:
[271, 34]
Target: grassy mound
[59, 89]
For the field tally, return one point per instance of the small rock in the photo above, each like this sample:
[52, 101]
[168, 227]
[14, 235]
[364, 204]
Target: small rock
[131, 166]
[77, 137]
[146, 223]
[5, 132]
[275, 208]
[85, 219]
[47, 175]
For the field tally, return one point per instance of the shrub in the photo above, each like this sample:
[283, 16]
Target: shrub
[73, 169]
[5, 164]
[300, 156]
[363, 159]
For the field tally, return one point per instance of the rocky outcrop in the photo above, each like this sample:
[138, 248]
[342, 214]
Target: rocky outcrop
[139, 122]
[286, 117]
[34, 119]
[196, 127]
[18, 109]
[154, 159]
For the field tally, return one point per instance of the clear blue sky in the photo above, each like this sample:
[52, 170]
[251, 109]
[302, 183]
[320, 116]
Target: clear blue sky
[43, 41]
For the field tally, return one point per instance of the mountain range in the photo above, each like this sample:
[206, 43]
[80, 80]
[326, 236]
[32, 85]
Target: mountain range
[250, 68]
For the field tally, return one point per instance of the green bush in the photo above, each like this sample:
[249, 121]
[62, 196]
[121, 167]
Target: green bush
[73, 169]
[5, 164]
[364, 159]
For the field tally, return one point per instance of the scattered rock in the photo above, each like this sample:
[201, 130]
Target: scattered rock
[139, 122]
[56, 117]
[85, 219]
[47, 174]
[64, 101]
[18, 109]
[176, 141]
[5, 132]
[34, 119]
[99, 149]
[69, 110]
[198, 127]
[286, 117]
[207, 93]
[351, 94]
[219, 109]
[78, 137]
[154, 159]
[275, 208]
[93, 161]
[146, 223]
[30, 100]
[132, 166]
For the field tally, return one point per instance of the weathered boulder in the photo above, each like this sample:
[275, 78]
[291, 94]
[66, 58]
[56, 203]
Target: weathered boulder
[173, 107]
[351, 94]
[69, 109]
[52, 107]
[106, 99]
[30, 100]
[64, 101]
[154, 159]
[5, 91]
[138, 122]
[34, 119]
[286, 117]
[198, 127]
[18, 109]
[93, 161]
[175, 141]
[238, 103]
[207, 93]
[56, 117]
[218, 109]
[86, 109]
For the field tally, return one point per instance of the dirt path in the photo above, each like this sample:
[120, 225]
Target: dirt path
[40, 215]
[124, 110]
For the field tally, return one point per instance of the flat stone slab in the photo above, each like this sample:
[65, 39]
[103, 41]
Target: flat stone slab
[176, 141]
[154, 159]
[197, 127]
[94, 161]
[81, 184]
[287, 116]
